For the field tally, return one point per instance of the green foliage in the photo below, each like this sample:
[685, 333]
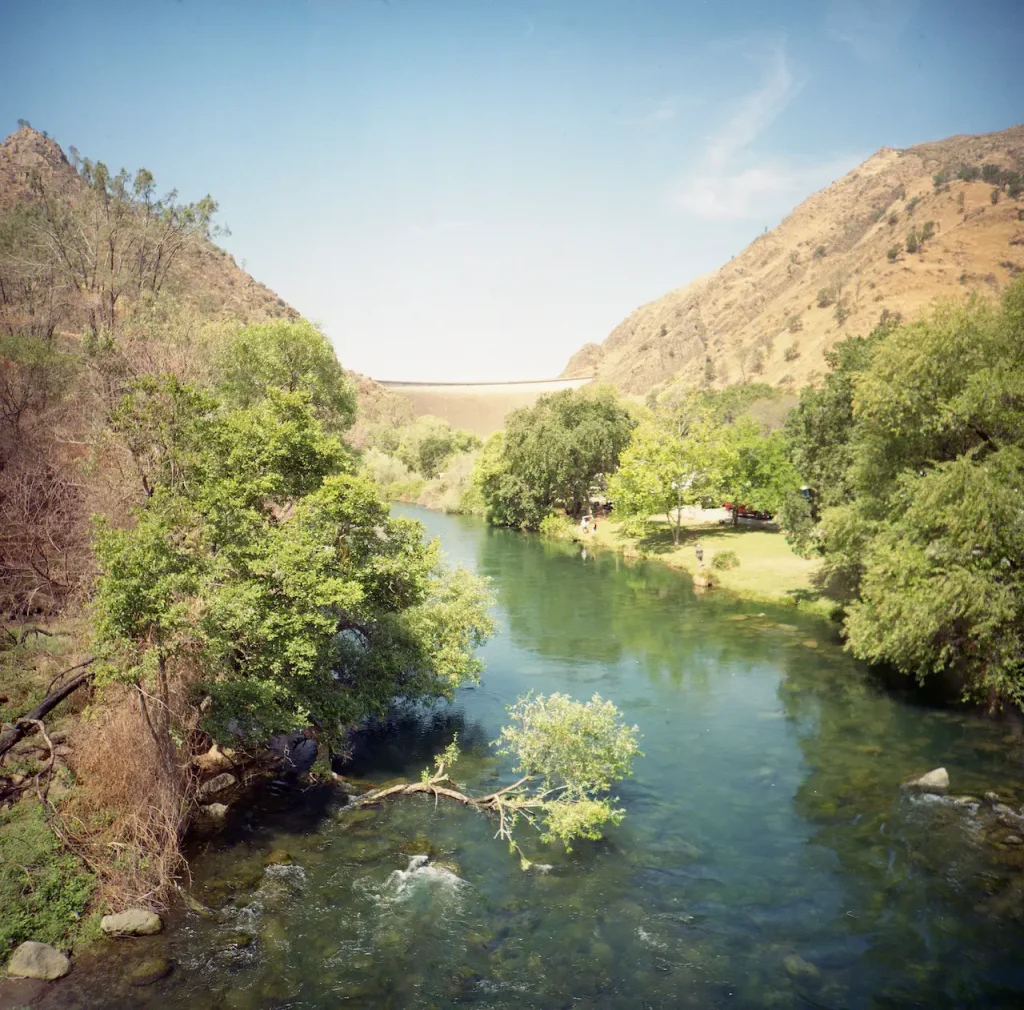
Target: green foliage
[842, 312]
[554, 454]
[574, 753]
[794, 323]
[894, 219]
[792, 352]
[426, 444]
[291, 357]
[558, 526]
[994, 195]
[724, 560]
[941, 178]
[271, 572]
[991, 173]
[44, 890]
[826, 296]
[927, 231]
[819, 252]
[912, 204]
[916, 439]
[912, 242]
[893, 252]
[968, 173]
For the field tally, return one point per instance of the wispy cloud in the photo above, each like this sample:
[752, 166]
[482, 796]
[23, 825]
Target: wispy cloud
[869, 27]
[730, 180]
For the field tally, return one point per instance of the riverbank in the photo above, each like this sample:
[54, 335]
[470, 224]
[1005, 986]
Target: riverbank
[752, 562]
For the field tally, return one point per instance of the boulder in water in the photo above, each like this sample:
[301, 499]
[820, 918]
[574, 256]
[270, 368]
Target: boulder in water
[218, 784]
[279, 857]
[134, 922]
[801, 969]
[936, 781]
[38, 960]
[151, 970]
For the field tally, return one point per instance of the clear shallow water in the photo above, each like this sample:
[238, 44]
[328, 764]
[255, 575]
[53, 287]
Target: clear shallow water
[768, 858]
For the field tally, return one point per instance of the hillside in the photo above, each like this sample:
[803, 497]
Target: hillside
[826, 271]
[35, 172]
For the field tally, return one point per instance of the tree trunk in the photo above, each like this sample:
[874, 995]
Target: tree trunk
[23, 724]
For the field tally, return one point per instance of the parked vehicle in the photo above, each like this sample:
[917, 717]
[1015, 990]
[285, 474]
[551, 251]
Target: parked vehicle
[746, 513]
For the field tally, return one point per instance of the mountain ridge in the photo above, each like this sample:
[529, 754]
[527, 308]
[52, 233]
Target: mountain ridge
[773, 311]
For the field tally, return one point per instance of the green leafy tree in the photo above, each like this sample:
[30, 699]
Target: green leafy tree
[262, 575]
[569, 755]
[426, 444]
[553, 454]
[662, 470]
[927, 527]
[288, 356]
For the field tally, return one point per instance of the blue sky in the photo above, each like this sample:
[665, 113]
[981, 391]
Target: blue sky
[472, 189]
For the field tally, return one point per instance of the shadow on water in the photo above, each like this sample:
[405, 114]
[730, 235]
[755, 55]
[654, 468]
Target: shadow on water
[769, 857]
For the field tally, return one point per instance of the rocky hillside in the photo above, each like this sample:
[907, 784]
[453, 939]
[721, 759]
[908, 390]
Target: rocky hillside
[899, 231]
[32, 164]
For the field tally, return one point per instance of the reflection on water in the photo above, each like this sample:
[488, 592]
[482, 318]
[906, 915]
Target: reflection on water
[768, 859]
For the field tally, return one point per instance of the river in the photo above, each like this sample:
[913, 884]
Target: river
[769, 857]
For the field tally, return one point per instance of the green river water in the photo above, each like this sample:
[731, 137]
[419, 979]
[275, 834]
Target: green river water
[769, 857]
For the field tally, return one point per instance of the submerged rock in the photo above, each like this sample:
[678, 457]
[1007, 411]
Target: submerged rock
[151, 970]
[279, 857]
[798, 968]
[134, 922]
[935, 781]
[38, 960]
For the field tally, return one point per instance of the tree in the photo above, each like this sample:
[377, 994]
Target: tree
[750, 468]
[568, 754]
[429, 441]
[662, 470]
[289, 356]
[553, 454]
[262, 575]
[927, 527]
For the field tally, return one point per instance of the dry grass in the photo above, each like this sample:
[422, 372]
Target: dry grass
[133, 800]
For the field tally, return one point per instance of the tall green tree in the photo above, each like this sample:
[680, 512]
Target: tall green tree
[931, 534]
[553, 454]
[264, 576]
[288, 356]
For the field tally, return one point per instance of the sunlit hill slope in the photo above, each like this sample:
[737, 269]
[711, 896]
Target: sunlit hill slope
[902, 229]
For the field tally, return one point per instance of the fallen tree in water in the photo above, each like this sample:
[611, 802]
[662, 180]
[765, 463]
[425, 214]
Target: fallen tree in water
[569, 755]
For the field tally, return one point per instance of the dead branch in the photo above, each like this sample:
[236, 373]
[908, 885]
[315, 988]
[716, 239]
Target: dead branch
[29, 722]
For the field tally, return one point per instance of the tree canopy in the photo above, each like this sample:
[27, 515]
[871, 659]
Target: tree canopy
[552, 455]
[922, 488]
[270, 576]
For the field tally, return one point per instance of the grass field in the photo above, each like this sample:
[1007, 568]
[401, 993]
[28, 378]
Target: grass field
[767, 567]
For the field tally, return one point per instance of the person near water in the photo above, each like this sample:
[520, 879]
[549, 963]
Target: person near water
[699, 551]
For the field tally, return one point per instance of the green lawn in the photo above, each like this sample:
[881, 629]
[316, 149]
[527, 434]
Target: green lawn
[767, 570]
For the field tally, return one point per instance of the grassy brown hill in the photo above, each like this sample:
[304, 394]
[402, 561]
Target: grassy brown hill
[831, 268]
[35, 173]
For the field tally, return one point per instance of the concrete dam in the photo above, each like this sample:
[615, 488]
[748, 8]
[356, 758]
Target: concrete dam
[479, 407]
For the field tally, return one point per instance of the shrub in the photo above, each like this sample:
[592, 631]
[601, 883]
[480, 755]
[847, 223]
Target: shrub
[911, 204]
[842, 313]
[900, 193]
[826, 297]
[792, 352]
[893, 252]
[819, 253]
[968, 173]
[794, 323]
[991, 173]
[928, 231]
[994, 195]
[912, 244]
[1014, 189]
[893, 219]
[725, 559]
[558, 527]
[757, 362]
[940, 178]
[960, 201]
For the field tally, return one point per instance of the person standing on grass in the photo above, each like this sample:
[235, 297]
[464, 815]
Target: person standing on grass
[699, 551]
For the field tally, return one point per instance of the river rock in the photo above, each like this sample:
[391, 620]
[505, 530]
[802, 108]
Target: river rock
[214, 813]
[702, 580]
[38, 960]
[151, 970]
[279, 857]
[217, 784]
[134, 922]
[936, 781]
[800, 969]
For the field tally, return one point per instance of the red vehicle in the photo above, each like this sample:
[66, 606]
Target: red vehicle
[746, 513]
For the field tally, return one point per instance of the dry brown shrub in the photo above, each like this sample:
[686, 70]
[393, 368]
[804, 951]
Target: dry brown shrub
[135, 797]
